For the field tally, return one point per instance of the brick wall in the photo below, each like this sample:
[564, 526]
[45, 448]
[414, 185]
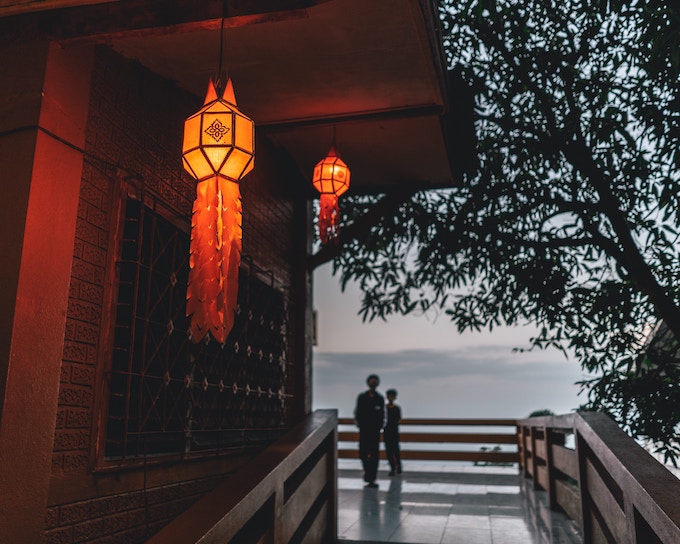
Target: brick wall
[76, 394]
[267, 218]
[134, 128]
[124, 518]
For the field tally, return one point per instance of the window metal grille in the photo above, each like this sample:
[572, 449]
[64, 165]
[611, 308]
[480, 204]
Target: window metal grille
[168, 395]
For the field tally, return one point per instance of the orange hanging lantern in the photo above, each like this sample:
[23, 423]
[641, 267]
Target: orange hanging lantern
[331, 179]
[218, 150]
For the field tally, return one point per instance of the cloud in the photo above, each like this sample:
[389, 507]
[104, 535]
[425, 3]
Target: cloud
[481, 361]
[487, 381]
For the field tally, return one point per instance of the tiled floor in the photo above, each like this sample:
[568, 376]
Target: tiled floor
[437, 503]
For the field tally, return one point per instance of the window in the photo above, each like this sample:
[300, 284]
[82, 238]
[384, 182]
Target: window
[167, 395]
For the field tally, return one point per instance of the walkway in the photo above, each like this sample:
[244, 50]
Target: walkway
[436, 503]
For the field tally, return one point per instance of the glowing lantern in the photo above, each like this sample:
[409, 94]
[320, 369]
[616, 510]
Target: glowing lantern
[331, 179]
[218, 150]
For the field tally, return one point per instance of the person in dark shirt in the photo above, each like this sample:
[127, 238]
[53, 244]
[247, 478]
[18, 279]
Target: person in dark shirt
[391, 432]
[369, 415]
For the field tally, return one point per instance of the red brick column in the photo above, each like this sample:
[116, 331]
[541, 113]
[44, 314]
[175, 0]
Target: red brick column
[47, 86]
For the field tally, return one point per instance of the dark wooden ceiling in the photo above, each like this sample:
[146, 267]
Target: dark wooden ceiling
[372, 70]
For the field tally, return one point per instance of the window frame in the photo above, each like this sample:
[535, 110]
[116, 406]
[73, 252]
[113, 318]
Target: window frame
[124, 190]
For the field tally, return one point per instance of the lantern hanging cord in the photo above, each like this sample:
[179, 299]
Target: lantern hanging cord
[219, 69]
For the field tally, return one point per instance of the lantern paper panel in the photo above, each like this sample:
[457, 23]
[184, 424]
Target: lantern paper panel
[219, 138]
[329, 218]
[331, 178]
[218, 150]
[331, 175]
[215, 257]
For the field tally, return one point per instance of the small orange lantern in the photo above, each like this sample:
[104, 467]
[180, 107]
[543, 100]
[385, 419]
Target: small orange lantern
[331, 179]
[218, 150]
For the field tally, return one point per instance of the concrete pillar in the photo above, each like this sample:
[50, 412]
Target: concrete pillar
[44, 95]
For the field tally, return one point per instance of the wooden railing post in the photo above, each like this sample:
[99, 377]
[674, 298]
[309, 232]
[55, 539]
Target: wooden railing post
[551, 438]
[586, 522]
[520, 448]
[278, 522]
[333, 485]
[524, 436]
[629, 510]
[534, 458]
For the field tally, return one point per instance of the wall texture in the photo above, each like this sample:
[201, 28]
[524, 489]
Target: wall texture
[134, 130]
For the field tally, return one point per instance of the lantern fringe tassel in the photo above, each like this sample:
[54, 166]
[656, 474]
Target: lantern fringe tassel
[215, 257]
[329, 218]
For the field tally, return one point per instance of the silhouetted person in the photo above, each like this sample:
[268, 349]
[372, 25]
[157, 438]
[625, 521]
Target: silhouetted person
[369, 415]
[391, 432]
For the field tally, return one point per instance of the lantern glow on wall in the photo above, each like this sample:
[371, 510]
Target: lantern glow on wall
[331, 179]
[218, 151]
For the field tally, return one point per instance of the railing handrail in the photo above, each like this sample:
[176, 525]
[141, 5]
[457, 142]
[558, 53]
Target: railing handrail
[609, 483]
[481, 455]
[479, 422]
[263, 493]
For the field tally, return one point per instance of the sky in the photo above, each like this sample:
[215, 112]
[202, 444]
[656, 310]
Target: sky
[438, 372]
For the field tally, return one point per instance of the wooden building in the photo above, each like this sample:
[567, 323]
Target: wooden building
[112, 420]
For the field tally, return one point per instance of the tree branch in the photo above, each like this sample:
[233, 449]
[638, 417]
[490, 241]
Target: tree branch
[629, 257]
[384, 207]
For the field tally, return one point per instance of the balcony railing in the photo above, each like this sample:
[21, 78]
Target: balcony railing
[590, 469]
[599, 476]
[609, 484]
[497, 446]
[287, 493]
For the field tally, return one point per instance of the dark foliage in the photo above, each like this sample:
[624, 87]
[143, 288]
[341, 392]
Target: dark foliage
[569, 221]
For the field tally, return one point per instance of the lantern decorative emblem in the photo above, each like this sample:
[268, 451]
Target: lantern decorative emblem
[218, 151]
[331, 179]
